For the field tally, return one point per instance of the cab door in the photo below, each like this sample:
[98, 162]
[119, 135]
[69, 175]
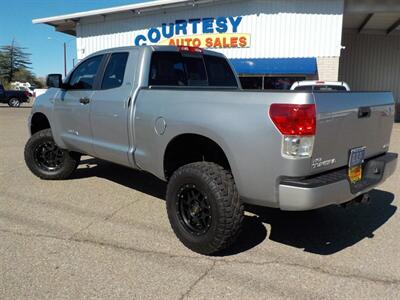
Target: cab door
[72, 106]
[111, 107]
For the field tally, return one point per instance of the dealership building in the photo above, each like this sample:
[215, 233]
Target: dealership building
[271, 43]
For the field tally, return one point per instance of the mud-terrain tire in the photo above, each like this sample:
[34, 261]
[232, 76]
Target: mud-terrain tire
[204, 207]
[46, 160]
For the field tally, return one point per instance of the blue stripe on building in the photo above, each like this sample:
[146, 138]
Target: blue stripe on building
[303, 66]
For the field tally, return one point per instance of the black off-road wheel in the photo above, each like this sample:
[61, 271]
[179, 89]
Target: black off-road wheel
[46, 160]
[204, 207]
[14, 102]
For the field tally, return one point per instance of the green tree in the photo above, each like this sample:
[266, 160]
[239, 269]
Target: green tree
[40, 82]
[23, 75]
[2, 62]
[13, 59]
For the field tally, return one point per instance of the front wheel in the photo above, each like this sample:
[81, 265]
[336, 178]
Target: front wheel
[46, 160]
[204, 207]
[14, 102]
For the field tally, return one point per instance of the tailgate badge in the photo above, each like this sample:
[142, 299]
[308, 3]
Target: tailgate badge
[318, 162]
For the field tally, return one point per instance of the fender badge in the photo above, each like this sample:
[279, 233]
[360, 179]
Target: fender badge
[318, 162]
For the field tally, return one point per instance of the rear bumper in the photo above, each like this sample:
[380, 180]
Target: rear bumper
[333, 187]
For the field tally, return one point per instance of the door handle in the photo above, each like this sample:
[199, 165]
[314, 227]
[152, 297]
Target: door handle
[84, 100]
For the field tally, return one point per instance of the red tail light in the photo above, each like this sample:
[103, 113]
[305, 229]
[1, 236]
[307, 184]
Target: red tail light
[294, 119]
[26, 93]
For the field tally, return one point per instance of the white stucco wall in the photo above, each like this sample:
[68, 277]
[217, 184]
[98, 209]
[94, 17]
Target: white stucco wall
[278, 28]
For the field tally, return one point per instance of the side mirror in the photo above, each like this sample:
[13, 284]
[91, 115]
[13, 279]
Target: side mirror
[54, 81]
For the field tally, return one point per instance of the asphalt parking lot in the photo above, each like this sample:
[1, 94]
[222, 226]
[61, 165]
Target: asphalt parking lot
[105, 234]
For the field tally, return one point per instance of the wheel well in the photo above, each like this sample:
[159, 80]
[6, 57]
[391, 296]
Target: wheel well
[188, 148]
[39, 122]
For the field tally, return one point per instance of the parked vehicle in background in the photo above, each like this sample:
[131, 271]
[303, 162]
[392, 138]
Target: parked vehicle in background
[24, 86]
[179, 113]
[318, 85]
[31, 91]
[16, 85]
[13, 98]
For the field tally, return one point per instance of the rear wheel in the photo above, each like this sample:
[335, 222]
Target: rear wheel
[204, 207]
[46, 160]
[14, 102]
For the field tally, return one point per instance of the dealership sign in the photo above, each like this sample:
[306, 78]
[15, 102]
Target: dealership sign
[220, 32]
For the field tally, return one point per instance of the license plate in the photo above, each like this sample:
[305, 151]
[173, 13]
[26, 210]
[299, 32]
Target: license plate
[356, 160]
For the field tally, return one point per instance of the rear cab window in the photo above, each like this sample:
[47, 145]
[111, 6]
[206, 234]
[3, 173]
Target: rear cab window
[167, 69]
[195, 71]
[219, 72]
[192, 70]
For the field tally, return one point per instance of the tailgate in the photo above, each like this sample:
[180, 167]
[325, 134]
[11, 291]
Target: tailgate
[349, 120]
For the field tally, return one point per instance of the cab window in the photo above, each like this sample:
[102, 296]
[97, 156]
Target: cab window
[115, 71]
[177, 69]
[195, 71]
[219, 72]
[84, 75]
[167, 69]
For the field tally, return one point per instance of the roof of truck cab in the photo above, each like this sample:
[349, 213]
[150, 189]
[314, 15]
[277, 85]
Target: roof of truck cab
[153, 48]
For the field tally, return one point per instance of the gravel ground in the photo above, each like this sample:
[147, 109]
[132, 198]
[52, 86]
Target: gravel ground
[105, 234]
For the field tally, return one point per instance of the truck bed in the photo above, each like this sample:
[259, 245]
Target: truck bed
[239, 122]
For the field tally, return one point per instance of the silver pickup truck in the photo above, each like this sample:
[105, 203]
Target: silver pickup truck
[180, 114]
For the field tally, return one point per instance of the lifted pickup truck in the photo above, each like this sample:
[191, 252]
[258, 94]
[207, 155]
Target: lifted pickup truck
[13, 98]
[180, 114]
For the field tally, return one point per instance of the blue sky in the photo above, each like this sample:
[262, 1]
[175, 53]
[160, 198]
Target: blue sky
[47, 54]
